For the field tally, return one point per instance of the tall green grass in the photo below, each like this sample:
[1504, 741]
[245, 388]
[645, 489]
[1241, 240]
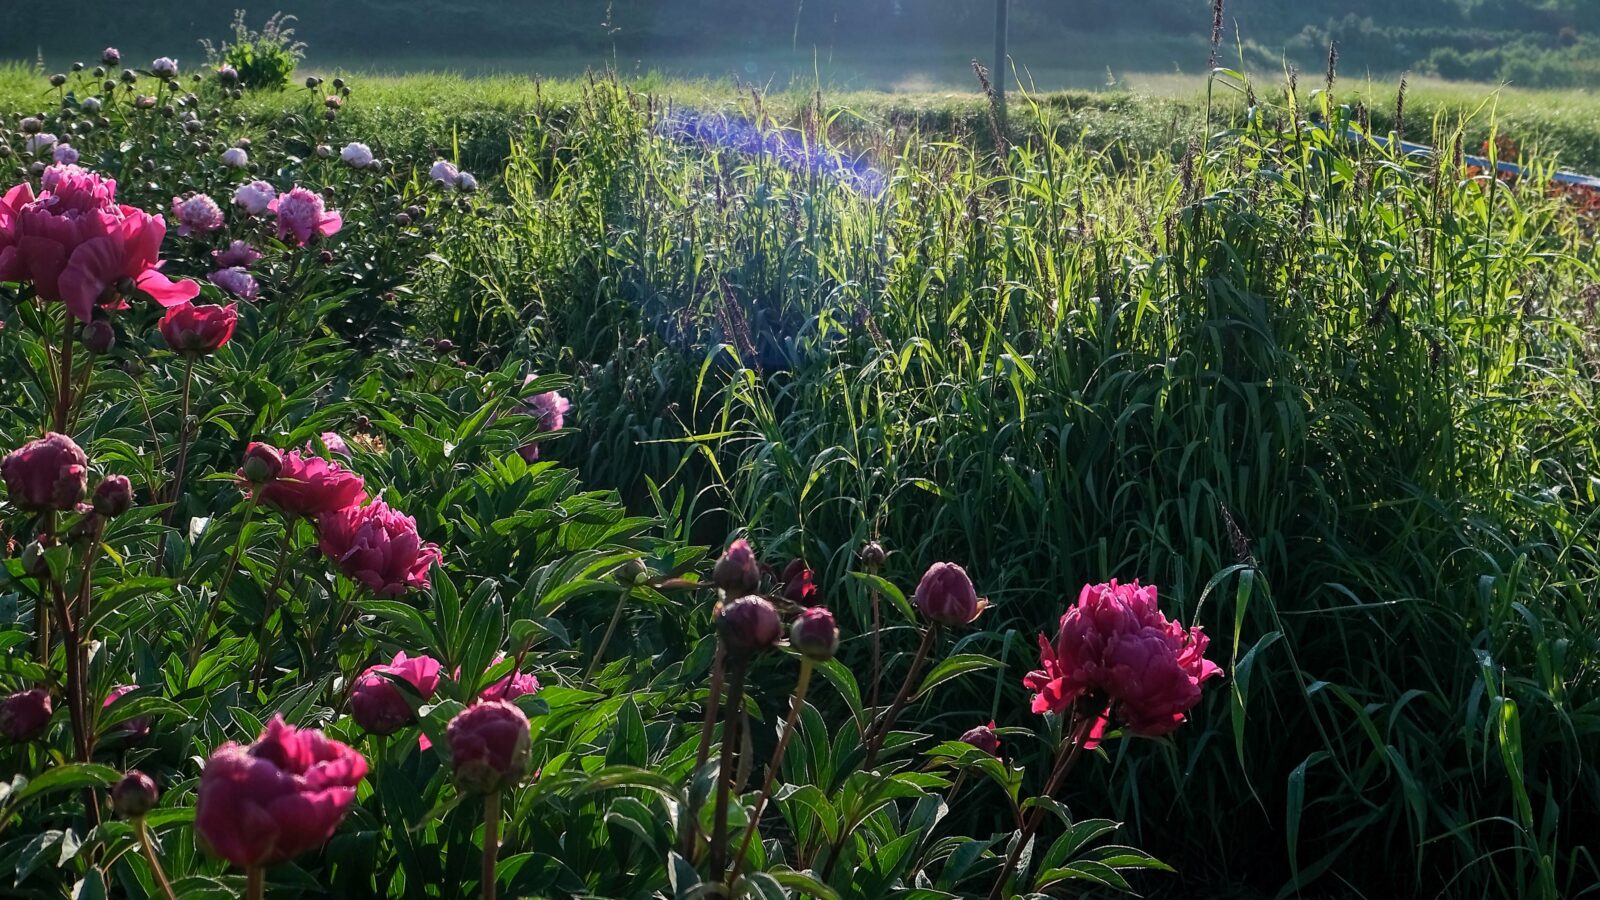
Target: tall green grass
[1340, 405]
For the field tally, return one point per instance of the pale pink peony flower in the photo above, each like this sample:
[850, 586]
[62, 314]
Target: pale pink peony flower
[237, 281]
[444, 172]
[64, 154]
[550, 408]
[197, 214]
[356, 155]
[255, 198]
[237, 255]
[40, 144]
[236, 157]
[164, 67]
[302, 217]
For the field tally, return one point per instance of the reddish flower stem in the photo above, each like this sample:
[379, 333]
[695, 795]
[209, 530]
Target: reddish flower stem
[732, 716]
[801, 683]
[690, 826]
[254, 885]
[1065, 758]
[885, 723]
[160, 874]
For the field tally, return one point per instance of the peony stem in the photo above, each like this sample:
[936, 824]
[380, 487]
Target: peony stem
[259, 670]
[880, 729]
[690, 827]
[877, 647]
[64, 375]
[801, 683]
[222, 586]
[254, 885]
[1065, 758]
[143, 831]
[491, 843]
[600, 651]
[730, 738]
[176, 488]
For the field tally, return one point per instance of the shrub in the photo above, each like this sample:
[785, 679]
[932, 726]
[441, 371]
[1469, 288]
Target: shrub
[265, 59]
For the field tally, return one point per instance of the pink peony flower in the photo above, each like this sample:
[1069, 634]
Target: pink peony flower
[255, 198]
[945, 595]
[136, 728]
[356, 155]
[24, 715]
[277, 798]
[41, 143]
[377, 547]
[195, 330]
[550, 408]
[984, 738]
[73, 243]
[489, 745]
[444, 172]
[377, 704]
[237, 281]
[517, 684]
[196, 214]
[51, 473]
[1114, 649]
[64, 154]
[237, 255]
[335, 444]
[308, 485]
[236, 157]
[302, 217]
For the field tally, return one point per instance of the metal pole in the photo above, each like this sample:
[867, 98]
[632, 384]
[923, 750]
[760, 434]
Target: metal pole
[998, 74]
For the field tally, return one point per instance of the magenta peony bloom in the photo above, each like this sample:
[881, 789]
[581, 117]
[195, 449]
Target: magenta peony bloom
[195, 330]
[51, 473]
[1115, 649]
[749, 625]
[196, 214]
[302, 217]
[945, 595]
[255, 198]
[376, 702]
[515, 685]
[377, 547]
[136, 728]
[277, 798]
[238, 255]
[308, 485]
[984, 738]
[24, 715]
[737, 573]
[489, 746]
[73, 243]
[550, 408]
[815, 633]
[237, 281]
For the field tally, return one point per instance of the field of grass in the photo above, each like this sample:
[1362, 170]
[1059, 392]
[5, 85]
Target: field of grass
[1337, 403]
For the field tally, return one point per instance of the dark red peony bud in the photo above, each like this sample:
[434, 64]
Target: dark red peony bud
[113, 496]
[737, 572]
[134, 794]
[489, 746]
[25, 715]
[262, 463]
[815, 634]
[984, 738]
[51, 473]
[99, 336]
[749, 625]
[946, 595]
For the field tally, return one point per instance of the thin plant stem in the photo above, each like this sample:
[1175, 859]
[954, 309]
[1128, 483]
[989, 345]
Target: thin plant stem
[877, 646]
[175, 490]
[600, 651]
[64, 374]
[800, 685]
[254, 885]
[491, 843]
[730, 738]
[885, 723]
[160, 874]
[222, 586]
[284, 548]
[1065, 758]
[690, 826]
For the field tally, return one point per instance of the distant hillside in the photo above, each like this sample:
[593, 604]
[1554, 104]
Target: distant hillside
[1531, 42]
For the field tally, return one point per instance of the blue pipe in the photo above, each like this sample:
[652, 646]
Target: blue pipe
[1573, 178]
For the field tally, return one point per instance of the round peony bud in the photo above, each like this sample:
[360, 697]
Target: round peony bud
[489, 746]
[136, 728]
[99, 336]
[737, 573]
[946, 595]
[376, 702]
[873, 555]
[262, 463]
[134, 795]
[164, 67]
[815, 634]
[113, 496]
[749, 625]
[236, 157]
[111, 56]
[228, 75]
[25, 715]
[984, 738]
[51, 473]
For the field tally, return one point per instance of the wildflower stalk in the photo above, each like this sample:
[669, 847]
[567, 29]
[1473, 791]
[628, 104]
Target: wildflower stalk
[800, 686]
[1065, 758]
[143, 831]
[730, 736]
[491, 844]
